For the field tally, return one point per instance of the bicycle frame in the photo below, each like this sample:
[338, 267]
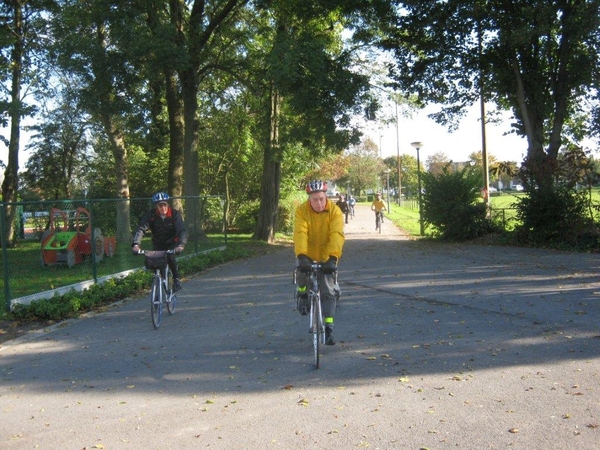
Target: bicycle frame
[316, 322]
[378, 219]
[161, 291]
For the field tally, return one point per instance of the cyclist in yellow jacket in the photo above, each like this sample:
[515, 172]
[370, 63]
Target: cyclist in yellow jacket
[319, 236]
[378, 206]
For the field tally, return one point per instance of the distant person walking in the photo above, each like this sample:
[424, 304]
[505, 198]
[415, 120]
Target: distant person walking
[343, 205]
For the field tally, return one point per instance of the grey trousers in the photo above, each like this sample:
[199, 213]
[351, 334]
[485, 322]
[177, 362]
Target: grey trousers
[326, 286]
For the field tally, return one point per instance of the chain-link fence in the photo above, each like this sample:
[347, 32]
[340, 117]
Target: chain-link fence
[72, 244]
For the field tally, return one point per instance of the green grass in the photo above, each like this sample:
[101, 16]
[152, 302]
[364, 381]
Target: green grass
[28, 276]
[72, 303]
[405, 218]
[505, 199]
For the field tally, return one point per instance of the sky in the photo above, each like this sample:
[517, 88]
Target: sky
[457, 145]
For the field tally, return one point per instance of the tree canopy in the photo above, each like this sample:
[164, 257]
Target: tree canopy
[249, 99]
[537, 58]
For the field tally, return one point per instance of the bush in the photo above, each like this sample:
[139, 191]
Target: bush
[246, 217]
[212, 214]
[555, 217]
[287, 213]
[73, 302]
[452, 205]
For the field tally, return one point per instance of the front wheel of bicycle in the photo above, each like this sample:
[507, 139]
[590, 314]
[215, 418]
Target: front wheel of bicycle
[169, 295]
[318, 330]
[156, 303]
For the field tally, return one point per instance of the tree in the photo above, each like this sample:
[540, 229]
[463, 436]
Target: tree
[437, 162]
[59, 148]
[365, 167]
[92, 43]
[309, 92]
[535, 57]
[191, 43]
[20, 36]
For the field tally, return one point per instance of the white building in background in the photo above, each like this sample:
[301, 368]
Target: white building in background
[332, 189]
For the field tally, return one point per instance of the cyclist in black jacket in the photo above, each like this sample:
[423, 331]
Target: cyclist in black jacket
[168, 232]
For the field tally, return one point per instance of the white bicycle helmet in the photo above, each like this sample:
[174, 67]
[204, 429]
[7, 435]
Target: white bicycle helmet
[316, 186]
[160, 197]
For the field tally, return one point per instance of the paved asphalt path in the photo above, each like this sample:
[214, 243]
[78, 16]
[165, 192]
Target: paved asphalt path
[439, 347]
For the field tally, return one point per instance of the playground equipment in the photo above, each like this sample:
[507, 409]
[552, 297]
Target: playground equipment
[60, 245]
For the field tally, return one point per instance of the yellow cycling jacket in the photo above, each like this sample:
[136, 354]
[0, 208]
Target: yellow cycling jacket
[319, 235]
[378, 205]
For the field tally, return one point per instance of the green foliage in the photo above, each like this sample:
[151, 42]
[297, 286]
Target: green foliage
[536, 58]
[212, 214]
[552, 217]
[61, 307]
[72, 303]
[287, 212]
[452, 206]
[365, 167]
[246, 217]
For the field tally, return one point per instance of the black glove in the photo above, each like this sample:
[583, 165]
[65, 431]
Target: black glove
[304, 263]
[330, 266]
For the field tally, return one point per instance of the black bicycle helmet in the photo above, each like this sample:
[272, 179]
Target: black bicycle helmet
[316, 186]
[160, 197]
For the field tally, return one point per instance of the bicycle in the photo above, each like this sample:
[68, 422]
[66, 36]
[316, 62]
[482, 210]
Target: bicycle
[315, 316]
[162, 282]
[378, 220]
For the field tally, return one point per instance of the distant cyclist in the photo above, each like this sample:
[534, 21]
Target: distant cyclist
[378, 206]
[343, 205]
[319, 236]
[351, 203]
[168, 232]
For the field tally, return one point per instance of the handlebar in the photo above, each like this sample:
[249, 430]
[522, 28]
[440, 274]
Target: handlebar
[316, 266]
[155, 252]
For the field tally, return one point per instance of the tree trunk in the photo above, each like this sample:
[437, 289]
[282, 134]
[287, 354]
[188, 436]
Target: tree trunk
[269, 190]
[191, 185]
[115, 137]
[538, 166]
[10, 185]
[176, 139]
[122, 181]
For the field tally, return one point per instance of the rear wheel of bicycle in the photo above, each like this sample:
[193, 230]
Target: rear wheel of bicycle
[318, 336]
[170, 296]
[155, 303]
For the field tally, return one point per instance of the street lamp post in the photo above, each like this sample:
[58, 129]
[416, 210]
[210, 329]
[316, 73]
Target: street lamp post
[387, 173]
[418, 146]
[398, 160]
